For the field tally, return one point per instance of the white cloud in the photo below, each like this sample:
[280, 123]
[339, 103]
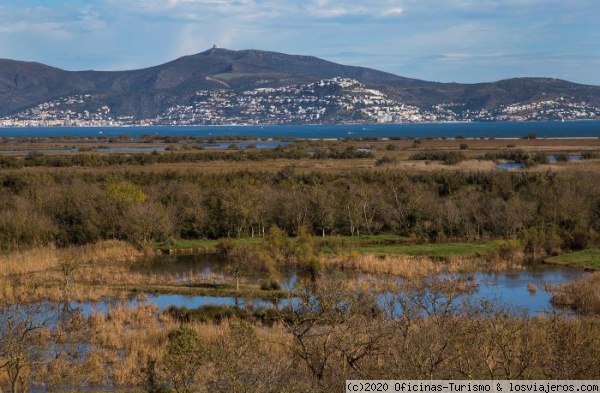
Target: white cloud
[428, 39]
[393, 11]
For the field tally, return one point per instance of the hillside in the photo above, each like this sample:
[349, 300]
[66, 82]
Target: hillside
[33, 91]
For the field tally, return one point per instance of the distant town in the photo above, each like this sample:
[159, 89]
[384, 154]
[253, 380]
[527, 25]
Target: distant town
[329, 101]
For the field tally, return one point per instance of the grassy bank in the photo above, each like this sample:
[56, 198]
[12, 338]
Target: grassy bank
[588, 259]
[464, 249]
[380, 245]
[246, 291]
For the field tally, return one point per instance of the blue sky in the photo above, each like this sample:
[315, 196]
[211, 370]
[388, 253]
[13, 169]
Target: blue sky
[439, 40]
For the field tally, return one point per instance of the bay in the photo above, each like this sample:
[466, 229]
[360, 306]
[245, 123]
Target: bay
[548, 129]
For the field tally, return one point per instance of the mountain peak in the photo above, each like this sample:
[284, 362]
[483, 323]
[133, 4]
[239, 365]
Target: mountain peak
[216, 50]
[148, 92]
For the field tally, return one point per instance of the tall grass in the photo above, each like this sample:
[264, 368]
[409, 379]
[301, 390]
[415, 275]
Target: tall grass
[30, 261]
[47, 258]
[39, 274]
[582, 296]
[413, 267]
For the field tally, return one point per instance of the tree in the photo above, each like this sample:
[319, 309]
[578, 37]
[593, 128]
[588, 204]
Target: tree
[332, 325]
[184, 356]
[238, 258]
[22, 338]
[147, 222]
[243, 362]
[322, 202]
[68, 262]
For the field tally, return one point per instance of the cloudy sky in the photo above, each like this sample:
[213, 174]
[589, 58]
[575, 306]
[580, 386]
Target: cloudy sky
[439, 40]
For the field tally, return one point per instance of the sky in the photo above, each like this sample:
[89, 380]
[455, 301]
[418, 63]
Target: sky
[465, 41]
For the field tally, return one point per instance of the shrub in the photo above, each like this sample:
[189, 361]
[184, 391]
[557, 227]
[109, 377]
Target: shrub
[270, 285]
[385, 160]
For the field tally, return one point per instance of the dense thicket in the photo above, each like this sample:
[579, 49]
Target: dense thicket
[552, 211]
[35, 159]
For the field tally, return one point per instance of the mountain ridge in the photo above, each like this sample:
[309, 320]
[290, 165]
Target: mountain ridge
[148, 92]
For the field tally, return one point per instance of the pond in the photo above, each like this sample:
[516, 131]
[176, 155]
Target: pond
[186, 267]
[524, 289]
[510, 166]
[129, 149]
[551, 159]
[521, 289]
[246, 145]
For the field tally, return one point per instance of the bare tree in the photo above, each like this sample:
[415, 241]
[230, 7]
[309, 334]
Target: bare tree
[22, 339]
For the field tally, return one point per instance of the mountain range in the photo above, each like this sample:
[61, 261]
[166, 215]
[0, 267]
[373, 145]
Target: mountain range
[151, 93]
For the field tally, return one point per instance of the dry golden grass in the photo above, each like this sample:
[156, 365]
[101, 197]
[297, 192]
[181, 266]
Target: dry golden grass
[531, 288]
[38, 274]
[413, 267]
[48, 258]
[126, 337]
[405, 149]
[582, 296]
[29, 261]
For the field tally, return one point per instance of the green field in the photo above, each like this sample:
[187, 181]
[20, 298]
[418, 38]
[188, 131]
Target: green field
[431, 249]
[203, 245]
[589, 259]
[375, 244]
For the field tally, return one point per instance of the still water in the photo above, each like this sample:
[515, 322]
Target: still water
[520, 289]
[542, 129]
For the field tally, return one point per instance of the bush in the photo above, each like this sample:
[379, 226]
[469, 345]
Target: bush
[270, 285]
[385, 160]
[508, 250]
[451, 158]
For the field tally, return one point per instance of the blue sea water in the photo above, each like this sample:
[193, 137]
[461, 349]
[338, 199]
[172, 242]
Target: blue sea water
[550, 129]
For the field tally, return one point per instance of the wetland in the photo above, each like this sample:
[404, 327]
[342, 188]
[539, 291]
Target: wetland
[377, 258]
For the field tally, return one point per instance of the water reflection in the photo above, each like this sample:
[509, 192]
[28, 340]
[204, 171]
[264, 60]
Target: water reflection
[551, 159]
[519, 289]
[246, 145]
[508, 166]
[514, 288]
[129, 149]
[210, 267]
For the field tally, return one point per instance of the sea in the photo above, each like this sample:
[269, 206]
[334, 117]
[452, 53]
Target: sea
[508, 130]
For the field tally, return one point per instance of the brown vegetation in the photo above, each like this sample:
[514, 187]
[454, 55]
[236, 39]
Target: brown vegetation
[315, 345]
[76, 234]
[415, 267]
[582, 296]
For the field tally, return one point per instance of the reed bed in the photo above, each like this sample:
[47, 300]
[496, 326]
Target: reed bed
[29, 261]
[583, 296]
[414, 267]
[125, 337]
[49, 257]
[82, 273]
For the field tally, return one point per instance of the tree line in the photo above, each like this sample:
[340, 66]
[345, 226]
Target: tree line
[36, 159]
[550, 211]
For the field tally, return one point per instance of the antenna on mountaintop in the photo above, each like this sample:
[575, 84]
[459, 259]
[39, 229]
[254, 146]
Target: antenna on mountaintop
[215, 46]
